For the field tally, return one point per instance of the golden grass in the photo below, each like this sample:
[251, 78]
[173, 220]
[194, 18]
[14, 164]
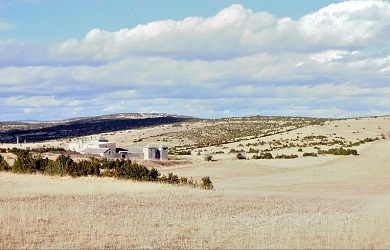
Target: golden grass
[47, 212]
[323, 202]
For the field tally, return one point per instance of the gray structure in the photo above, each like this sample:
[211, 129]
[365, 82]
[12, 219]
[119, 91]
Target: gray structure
[155, 152]
[101, 147]
[106, 149]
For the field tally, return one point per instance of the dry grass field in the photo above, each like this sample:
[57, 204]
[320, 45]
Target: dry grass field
[328, 201]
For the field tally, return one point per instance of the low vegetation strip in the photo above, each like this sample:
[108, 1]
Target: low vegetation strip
[64, 165]
[339, 151]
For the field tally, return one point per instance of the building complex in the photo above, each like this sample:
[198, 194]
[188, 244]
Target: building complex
[108, 149]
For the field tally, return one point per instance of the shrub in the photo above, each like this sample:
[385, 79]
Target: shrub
[309, 154]
[132, 170]
[153, 174]
[53, 168]
[339, 151]
[206, 183]
[27, 163]
[240, 156]
[3, 164]
[183, 181]
[208, 158]
[40, 164]
[172, 178]
[266, 155]
[283, 156]
[232, 151]
[252, 150]
[88, 167]
[24, 162]
[184, 152]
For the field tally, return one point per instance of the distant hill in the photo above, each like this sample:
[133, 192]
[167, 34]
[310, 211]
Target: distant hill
[42, 131]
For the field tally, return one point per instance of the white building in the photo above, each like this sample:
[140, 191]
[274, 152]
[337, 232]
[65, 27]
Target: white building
[107, 149]
[155, 152]
[100, 147]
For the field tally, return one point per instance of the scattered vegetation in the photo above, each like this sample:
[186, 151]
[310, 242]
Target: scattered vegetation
[228, 130]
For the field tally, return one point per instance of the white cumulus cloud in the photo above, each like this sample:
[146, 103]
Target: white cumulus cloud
[237, 62]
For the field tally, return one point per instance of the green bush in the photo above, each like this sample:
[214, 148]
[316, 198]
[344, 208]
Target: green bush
[41, 164]
[3, 164]
[153, 175]
[53, 168]
[131, 170]
[27, 163]
[24, 162]
[68, 166]
[88, 167]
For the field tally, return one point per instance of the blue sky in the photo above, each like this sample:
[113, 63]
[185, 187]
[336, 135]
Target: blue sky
[48, 20]
[216, 58]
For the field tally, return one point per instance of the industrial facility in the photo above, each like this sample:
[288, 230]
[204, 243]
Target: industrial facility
[107, 149]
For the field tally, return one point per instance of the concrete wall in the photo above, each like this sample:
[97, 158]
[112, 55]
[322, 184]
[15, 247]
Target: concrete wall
[149, 153]
[163, 152]
[110, 145]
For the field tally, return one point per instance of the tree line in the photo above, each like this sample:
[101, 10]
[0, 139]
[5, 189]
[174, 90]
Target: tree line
[64, 165]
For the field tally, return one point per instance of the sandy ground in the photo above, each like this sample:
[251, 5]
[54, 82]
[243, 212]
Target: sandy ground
[308, 202]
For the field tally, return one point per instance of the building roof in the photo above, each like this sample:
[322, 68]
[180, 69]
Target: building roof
[135, 150]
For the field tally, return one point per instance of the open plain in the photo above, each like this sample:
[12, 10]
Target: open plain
[327, 201]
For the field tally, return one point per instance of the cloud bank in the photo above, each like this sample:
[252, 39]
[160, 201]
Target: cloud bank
[331, 63]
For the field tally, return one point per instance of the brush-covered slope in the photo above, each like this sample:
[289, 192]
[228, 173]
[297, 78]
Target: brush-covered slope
[41, 131]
